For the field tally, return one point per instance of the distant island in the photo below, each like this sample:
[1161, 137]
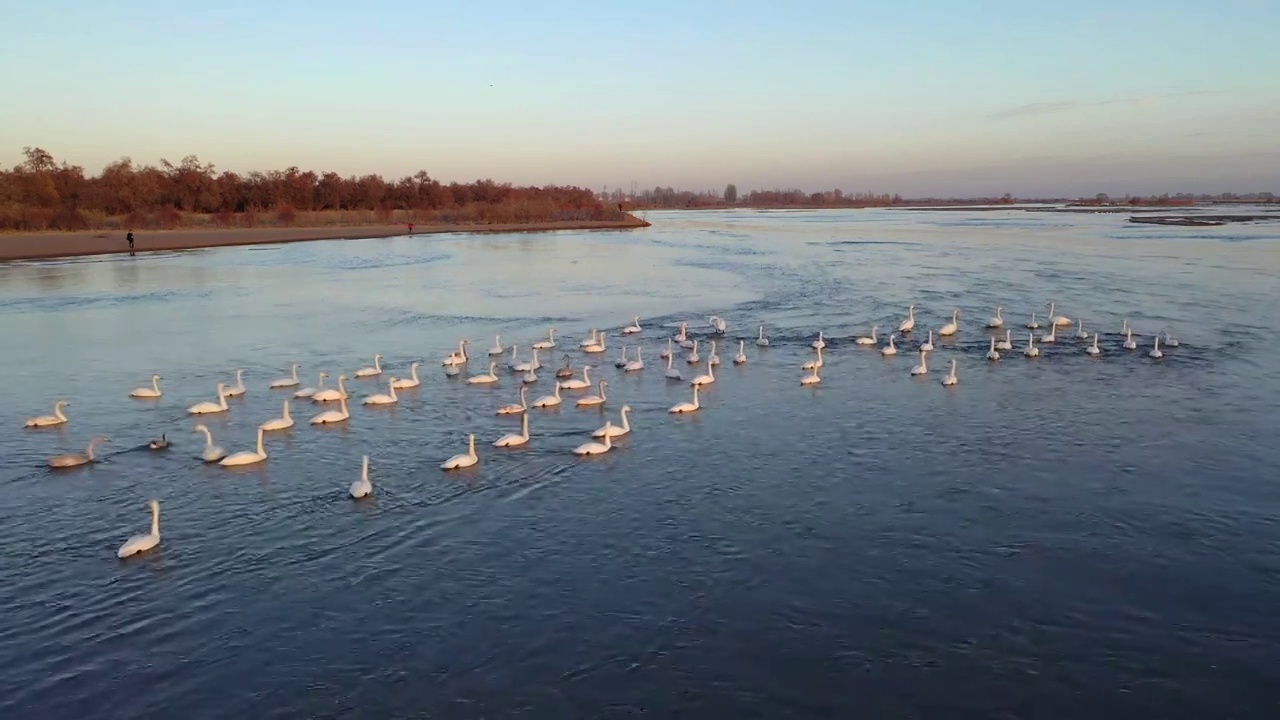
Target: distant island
[50, 208]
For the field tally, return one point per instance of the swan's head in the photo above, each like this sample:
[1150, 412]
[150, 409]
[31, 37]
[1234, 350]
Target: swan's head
[239, 372]
[99, 439]
[392, 380]
[156, 377]
[61, 403]
[376, 356]
[341, 378]
[324, 374]
[154, 505]
[222, 389]
[626, 408]
[200, 428]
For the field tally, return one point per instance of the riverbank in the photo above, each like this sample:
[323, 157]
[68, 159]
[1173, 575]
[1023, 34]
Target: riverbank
[33, 246]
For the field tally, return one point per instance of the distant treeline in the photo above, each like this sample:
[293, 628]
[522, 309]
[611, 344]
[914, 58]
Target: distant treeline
[43, 194]
[660, 197]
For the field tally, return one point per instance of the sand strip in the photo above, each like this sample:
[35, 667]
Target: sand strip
[30, 246]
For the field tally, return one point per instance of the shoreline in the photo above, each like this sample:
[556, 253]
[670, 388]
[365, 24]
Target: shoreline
[48, 245]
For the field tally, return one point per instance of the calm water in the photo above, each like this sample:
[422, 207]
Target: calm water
[1064, 537]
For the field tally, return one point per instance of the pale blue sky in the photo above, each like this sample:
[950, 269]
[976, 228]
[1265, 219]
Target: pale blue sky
[915, 96]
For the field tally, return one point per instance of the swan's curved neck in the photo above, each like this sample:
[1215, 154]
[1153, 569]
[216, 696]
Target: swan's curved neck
[711, 369]
[471, 445]
[208, 436]
[57, 410]
[89, 451]
[364, 469]
[392, 389]
[602, 387]
[413, 372]
[294, 372]
[155, 519]
[286, 409]
[155, 383]
[377, 362]
[342, 403]
[761, 332]
[261, 450]
[523, 388]
[222, 398]
[626, 424]
[524, 425]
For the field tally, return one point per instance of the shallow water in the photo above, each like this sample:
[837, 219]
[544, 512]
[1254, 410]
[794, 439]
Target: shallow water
[1051, 538]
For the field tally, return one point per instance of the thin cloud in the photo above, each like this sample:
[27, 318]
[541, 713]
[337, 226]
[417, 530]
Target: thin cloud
[1048, 108]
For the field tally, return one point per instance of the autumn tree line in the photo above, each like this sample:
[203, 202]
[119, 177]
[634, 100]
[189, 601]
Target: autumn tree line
[41, 193]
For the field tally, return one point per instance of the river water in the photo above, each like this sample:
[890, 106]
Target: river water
[1061, 537]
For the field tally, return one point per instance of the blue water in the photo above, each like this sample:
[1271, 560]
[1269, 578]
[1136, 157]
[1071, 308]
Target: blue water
[1062, 537]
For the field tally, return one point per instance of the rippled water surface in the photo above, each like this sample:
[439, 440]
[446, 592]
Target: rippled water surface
[1061, 537]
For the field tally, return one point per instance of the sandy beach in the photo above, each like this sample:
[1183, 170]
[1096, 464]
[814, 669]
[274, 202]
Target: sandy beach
[30, 246]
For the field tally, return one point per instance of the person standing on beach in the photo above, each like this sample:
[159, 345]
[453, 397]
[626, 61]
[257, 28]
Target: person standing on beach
[129, 237]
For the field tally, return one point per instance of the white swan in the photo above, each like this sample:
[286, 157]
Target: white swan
[951, 327]
[1155, 351]
[687, 407]
[693, 358]
[463, 460]
[206, 408]
[927, 345]
[412, 382]
[362, 487]
[333, 416]
[706, 378]
[812, 378]
[909, 324]
[1169, 340]
[595, 448]
[578, 383]
[74, 459]
[1129, 344]
[762, 341]
[387, 398]
[820, 343]
[484, 378]
[598, 346]
[1124, 327]
[1093, 349]
[547, 344]
[211, 452]
[991, 352]
[459, 356]
[889, 349]
[371, 371]
[637, 364]
[516, 407]
[291, 381]
[1080, 333]
[1050, 336]
[923, 367]
[57, 418]
[998, 320]
[951, 378]
[869, 340]
[814, 363]
[713, 357]
[592, 339]
[682, 338]
[247, 457]
[497, 348]
[1058, 320]
[238, 389]
[1007, 343]
[1033, 325]
[633, 328]
[612, 430]
[311, 391]
[1031, 350]
[547, 401]
[331, 395]
[143, 543]
[588, 400]
[741, 357]
[672, 372]
[148, 392]
[669, 350]
[280, 423]
[529, 377]
[514, 439]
